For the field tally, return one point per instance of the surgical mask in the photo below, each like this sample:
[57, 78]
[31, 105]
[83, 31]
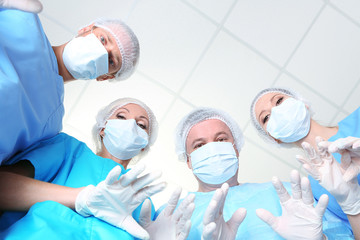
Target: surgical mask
[290, 121]
[215, 162]
[124, 139]
[85, 57]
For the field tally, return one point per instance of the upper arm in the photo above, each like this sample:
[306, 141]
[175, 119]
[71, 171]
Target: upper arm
[24, 168]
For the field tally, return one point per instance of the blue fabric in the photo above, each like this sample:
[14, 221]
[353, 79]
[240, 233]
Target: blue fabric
[253, 196]
[65, 161]
[350, 126]
[31, 89]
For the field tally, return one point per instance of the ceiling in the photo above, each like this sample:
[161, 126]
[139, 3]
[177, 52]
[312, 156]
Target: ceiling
[219, 54]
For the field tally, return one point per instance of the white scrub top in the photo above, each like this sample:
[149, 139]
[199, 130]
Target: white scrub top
[31, 89]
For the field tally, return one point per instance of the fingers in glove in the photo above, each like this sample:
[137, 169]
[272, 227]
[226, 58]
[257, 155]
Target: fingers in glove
[113, 175]
[145, 214]
[132, 175]
[323, 148]
[312, 171]
[307, 195]
[267, 217]
[280, 189]
[342, 143]
[356, 145]
[311, 153]
[322, 204]
[184, 233]
[295, 184]
[183, 206]
[33, 6]
[131, 226]
[186, 216]
[145, 180]
[224, 189]
[208, 231]
[173, 201]
[148, 191]
[236, 219]
[211, 212]
[218, 199]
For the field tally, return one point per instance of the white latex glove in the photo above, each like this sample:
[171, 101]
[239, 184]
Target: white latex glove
[215, 226]
[323, 167]
[114, 200]
[300, 220]
[169, 225]
[350, 145]
[33, 6]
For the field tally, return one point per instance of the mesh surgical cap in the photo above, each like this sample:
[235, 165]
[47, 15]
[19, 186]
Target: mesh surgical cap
[105, 113]
[126, 41]
[261, 131]
[199, 115]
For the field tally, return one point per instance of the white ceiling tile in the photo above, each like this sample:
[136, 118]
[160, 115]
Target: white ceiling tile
[349, 7]
[72, 93]
[353, 101]
[229, 76]
[341, 116]
[323, 111]
[328, 59]
[214, 9]
[273, 27]
[172, 37]
[56, 33]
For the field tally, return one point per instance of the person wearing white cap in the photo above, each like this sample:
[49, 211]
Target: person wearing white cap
[33, 73]
[283, 118]
[48, 180]
[209, 140]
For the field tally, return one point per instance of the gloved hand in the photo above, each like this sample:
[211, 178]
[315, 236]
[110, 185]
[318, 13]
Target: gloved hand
[351, 146]
[33, 6]
[169, 224]
[114, 200]
[323, 167]
[300, 219]
[215, 226]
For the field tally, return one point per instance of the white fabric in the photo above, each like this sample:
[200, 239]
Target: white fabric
[323, 167]
[114, 200]
[215, 226]
[170, 224]
[33, 6]
[300, 220]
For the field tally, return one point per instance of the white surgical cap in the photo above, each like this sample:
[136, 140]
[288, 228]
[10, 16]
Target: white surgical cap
[126, 41]
[105, 113]
[201, 114]
[261, 131]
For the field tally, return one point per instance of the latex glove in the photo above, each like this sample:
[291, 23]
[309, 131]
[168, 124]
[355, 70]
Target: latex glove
[33, 6]
[169, 225]
[350, 145]
[114, 200]
[300, 219]
[323, 167]
[215, 226]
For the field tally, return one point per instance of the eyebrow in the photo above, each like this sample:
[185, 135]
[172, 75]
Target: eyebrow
[143, 117]
[271, 99]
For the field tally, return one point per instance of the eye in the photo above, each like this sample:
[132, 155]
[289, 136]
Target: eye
[199, 145]
[102, 39]
[221, 139]
[266, 118]
[142, 126]
[279, 101]
[111, 62]
[119, 116]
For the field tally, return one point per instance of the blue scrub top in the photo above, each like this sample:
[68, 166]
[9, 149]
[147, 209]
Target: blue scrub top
[350, 126]
[253, 196]
[31, 89]
[65, 161]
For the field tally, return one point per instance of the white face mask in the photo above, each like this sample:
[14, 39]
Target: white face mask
[85, 57]
[290, 121]
[215, 162]
[124, 139]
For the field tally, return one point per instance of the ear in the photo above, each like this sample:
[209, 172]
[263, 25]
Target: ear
[104, 77]
[102, 133]
[86, 29]
[188, 162]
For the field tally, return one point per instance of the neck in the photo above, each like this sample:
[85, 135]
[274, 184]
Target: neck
[105, 154]
[58, 50]
[317, 130]
[205, 187]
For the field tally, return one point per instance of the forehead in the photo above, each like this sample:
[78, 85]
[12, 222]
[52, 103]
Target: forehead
[134, 109]
[265, 100]
[207, 128]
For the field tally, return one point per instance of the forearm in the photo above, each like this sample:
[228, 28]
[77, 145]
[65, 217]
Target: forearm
[19, 193]
[355, 225]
